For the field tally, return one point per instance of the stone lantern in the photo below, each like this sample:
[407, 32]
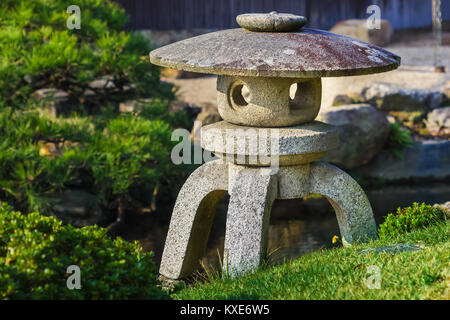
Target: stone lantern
[268, 93]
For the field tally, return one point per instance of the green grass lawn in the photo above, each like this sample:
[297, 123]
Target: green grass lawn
[341, 273]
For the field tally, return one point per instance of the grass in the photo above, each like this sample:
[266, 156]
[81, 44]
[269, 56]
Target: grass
[341, 273]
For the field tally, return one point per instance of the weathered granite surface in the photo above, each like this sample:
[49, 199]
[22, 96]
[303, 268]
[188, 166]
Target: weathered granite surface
[309, 53]
[292, 145]
[252, 192]
[271, 22]
[259, 126]
[192, 219]
[353, 210]
[267, 102]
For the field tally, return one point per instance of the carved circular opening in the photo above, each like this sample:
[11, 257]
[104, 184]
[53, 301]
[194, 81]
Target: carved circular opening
[304, 95]
[240, 95]
[292, 91]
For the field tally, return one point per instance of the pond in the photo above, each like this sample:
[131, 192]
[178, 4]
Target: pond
[296, 227]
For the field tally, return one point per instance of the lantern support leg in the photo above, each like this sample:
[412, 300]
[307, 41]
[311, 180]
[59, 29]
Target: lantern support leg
[252, 193]
[353, 210]
[192, 219]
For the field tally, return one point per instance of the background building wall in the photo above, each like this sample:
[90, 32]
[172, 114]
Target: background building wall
[221, 14]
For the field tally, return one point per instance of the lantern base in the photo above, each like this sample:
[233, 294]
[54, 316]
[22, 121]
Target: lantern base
[252, 192]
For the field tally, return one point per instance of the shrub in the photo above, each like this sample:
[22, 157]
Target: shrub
[35, 252]
[398, 140]
[410, 218]
[38, 50]
[100, 150]
[105, 156]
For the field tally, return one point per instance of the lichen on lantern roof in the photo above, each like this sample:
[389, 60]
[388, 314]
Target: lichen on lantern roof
[304, 53]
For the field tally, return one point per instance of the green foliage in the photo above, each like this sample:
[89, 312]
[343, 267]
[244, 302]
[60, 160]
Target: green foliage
[37, 50]
[410, 218]
[105, 155]
[398, 140]
[35, 252]
[100, 150]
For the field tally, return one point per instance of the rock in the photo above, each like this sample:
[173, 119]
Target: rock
[208, 115]
[362, 133]
[132, 106]
[428, 159]
[405, 77]
[393, 248]
[159, 38]
[191, 111]
[135, 106]
[55, 101]
[446, 91]
[445, 206]
[77, 207]
[357, 28]
[168, 284]
[390, 97]
[342, 99]
[438, 122]
[49, 149]
[103, 82]
[180, 74]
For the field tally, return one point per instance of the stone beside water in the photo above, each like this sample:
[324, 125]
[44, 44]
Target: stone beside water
[362, 131]
[438, 122]
[393, 248]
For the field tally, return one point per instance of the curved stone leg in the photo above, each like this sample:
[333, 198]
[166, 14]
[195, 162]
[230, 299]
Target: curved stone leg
[353, 210]
[192, 218]
[252, 192]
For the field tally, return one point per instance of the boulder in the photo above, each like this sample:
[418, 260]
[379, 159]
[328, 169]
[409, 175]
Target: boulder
[438, 122]
[428, 159]
[392, 248]
[77, 207]
[132, 106]
[390, 97]
[342, 99]
[444, 206]
[358, 28]
[105, 82]
[191, 111]
[446, 91]
[49, 149]
[55, 101]
[180, 74]
[209, 114]
[363, 131]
